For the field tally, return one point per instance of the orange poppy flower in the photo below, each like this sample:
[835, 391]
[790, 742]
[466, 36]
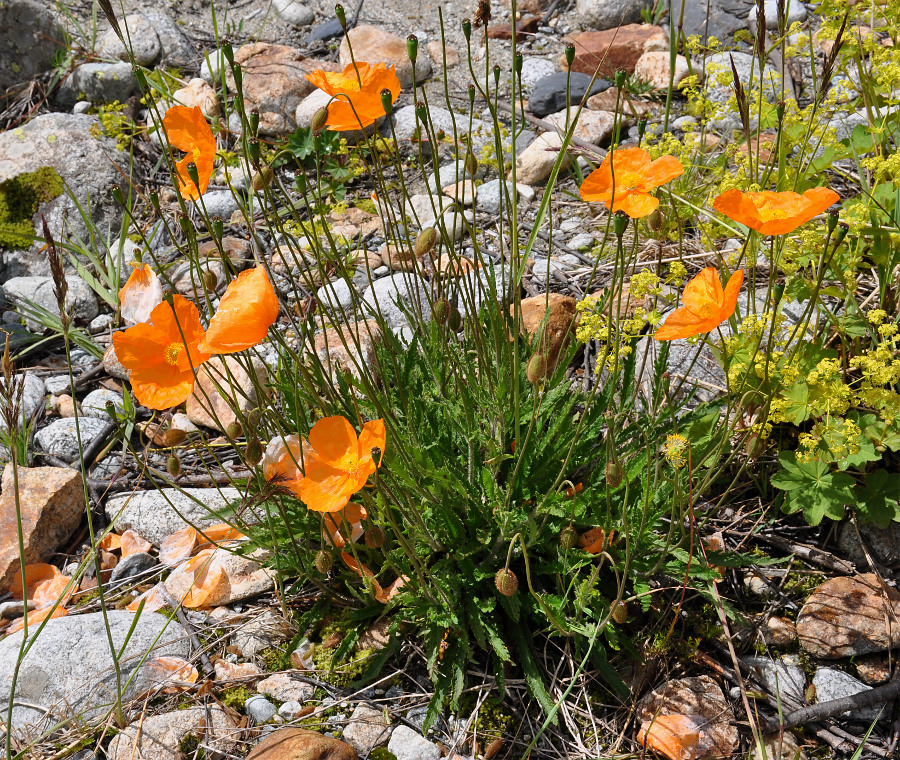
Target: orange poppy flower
[162, 362]
[592, 540]
[337, 464]
[141, 295]
[633, 175]
[249, 307]
[186, 129]
[360, 86]
[706, 305]
[774, 213]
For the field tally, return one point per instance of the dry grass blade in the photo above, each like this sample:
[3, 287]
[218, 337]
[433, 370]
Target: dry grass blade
[106, 7]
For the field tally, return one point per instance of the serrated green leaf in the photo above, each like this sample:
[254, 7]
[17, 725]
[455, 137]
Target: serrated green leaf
[813, 488]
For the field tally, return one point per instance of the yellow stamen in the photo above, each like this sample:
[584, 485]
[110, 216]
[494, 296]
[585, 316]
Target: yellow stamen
[173, 351]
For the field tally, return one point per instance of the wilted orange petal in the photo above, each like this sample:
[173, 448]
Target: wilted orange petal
[391, 591]
[676, 737]
[110, 542]
[53, 590]
[154, 599]
[229, 671]
[175, 671]
[282, 461]
[176, 548]
[208, 575]
[220, 532]
[247, 310]
[35, 574]
[134, 543]
[141, 295]
[592, 541]
[35, 617]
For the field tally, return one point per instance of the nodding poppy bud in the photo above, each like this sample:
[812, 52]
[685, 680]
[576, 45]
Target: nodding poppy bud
[620, 223]
[518, 63]
[228, 52]
[173, 466]
[186, 226]
[467, 28]
[620, 612]
[832, 219]
[614, 474]
[656, 220]
[412, 47]
[262, 179]
[472, 92]
[536, 369]
[454, 320]
[193, 173]
[621, 76]
[173, 437]
[218, 228]
[387, 101]
[426, 241]
[374, 537]
[471, 164]
[254, 121]
[254, 452]
[441, 311]
[319, 119]
[324, 561]
[234, 430]
[496, 74]
[506, 582]
[570, 55]
[210, 280]
[568, 537]
[341, 16]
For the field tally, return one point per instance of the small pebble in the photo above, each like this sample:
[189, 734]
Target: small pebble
[260, 709]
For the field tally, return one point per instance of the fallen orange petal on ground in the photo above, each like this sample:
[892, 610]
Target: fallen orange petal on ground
[154, 599]
[35, 574]
[110, 542]
[36, 617]
[676, 737]
[177, 547]
[134, 543]
[179, 673]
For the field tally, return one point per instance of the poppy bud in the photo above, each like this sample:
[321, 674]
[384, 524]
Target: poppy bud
[506, 582]
[620, 612]
[454, 320]
[117, 195]
[318, 120]
[254, 452]
[374, 537]
[254, 122]
[568, 537]
[471, 94]
[426, 241]
[324, 561]
[210, 280]
[341, 16]
[228, 52]
[254, 150]
[174, 437]
[614, 474]
[536, 369]
[471, 164]
[387, 101]
[467, 29]
[186, 227]
[412, 47]
[620, 223]
[173, 466]
[656, 221]
[570, 55]
[779, 110]
[218, 228]
[262, 179]
[642, 128]
[441, 311]
[234, 429]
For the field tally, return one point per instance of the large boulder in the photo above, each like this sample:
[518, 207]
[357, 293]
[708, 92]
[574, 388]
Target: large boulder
[69, 671]
[606, 14]
[57, 164]
[30, 38]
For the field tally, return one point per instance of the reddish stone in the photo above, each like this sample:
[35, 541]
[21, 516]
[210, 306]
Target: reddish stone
[526, 26]
[613, 50]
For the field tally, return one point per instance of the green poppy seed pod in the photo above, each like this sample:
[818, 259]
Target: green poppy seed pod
[568, 537]
[253, 148]
[341, 16]
[518, 63]
[174, 437]
[141, 79]
[467, 29]
[506, 582]
[238, 75]
[471, 164]
[620, 223]
[193, 173]
[472, 93]
[301, 183]
[779, 110]
[621, 76]
[426, 241]
[778, 292]
[441, 311]
[262, 179]
[218, 228]
[117, 195]
[234, 429]
[842, 230]
[173, 466]
[154, 201]
[319, 119]
[421, 112]
[656, 220]
[228, 52]
[412, 47]
[324, 561]
[620, 612]
[832, 219]
[374, 537]
[642, 128]
[186, 227]
[614, 474]
[387, 101]
[254, 121]
[254, 452]
[454, 320]
[536, 369]
[496, 75]
[570, 55]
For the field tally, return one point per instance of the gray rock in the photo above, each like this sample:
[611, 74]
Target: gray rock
[141, 39]
[212, 65]
[14, 609]
[882, 543]
[291, 710]
[161, 736]
[60, 437]
[366, 729]
[393, 296]
[796, 12]
[720, 19]
[68, 672]
[548, 95]
[82, 106]
[177, 49]
[261, 631]
[260, 709]
[31, 37]
[535, 69]
[100, 323]
[487, 195]
[405, 123]
[336, 296]
[94, 404]
[681, 363]
[294, 12]
[748, 71]
[490, 282]
[407, 744]
[781, 676]
[606, 14]
[220, 204]
[684, 122]
[89, 166]
[98, 83]
[57, 384]
[29, 292]
[835, 684]
[132, 565]
[581, 242]
[157, 514]
[544, 268]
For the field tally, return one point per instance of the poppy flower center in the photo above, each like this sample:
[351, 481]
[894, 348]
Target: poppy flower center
[172, 352]
[628, 180]
[707, 311]
[770, 214]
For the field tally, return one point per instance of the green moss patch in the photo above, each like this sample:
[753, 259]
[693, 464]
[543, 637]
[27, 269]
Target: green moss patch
[20, 198]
